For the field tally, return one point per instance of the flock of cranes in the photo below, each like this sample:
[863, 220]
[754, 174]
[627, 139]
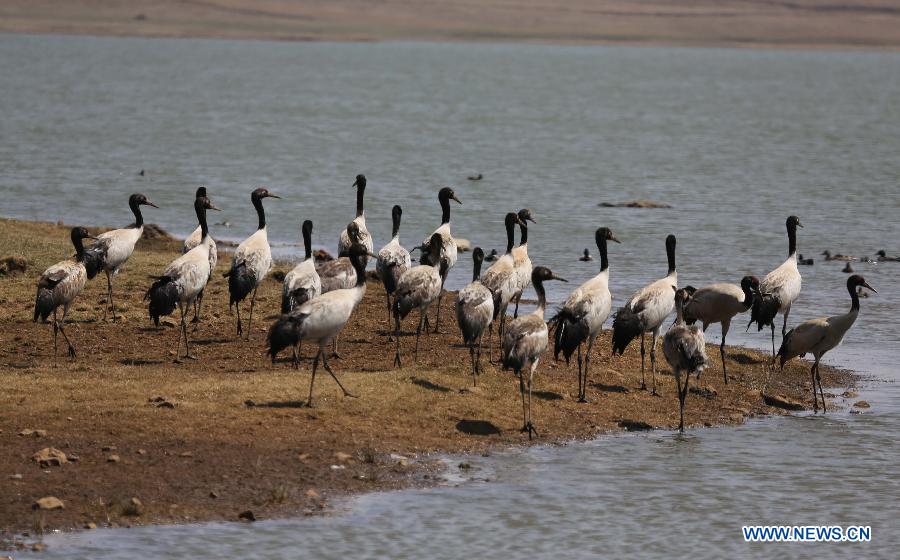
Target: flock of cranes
[318, 300]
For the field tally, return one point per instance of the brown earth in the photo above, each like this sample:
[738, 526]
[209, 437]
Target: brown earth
[785, 23]
[211, 456]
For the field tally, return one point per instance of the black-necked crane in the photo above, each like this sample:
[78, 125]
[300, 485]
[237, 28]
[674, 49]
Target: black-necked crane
[500, 278]
[521, 260]
[685, 349]
[474, 313]
[302, 283]
[448, 251]
[719, 303]
[779, 289]
[818, 336]
[344, 242]
[182, 282]
[251, 262]
[645, 311]
[113, 248]
[525, 340]
[393, 260]
[582, 316]
[59, 285]
[192, 241]
[321, 319]
[418, 288]
[340, 274]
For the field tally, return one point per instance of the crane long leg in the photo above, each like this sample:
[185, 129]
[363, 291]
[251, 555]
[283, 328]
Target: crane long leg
[197, 303]
[250, 320]
[491, 343]
[62, 329]
[682, 393]
[55, 336]
[240, 327]
[784, 325]
[524, 409]
[653, 357]
[725, 326]
[397, 338]
[516, 312]
[478, 354]
[773, 339]
[812, 373]
[587, 364]
[581, 398]
[387, 298]
[821, 390]
[187, 348]
[437, 319]
[336, 380]
[474, 364]
[422, 315]
[643, 383]
[109, 296]
[312, 379]
[531, 428]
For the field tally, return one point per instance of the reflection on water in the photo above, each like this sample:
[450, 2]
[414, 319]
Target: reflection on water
[735, 140]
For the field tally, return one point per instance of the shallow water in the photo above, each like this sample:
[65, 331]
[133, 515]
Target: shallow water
[735, 140]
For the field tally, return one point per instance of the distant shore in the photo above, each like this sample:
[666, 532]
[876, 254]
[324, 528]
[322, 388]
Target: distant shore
[228, 433]
[804, 24]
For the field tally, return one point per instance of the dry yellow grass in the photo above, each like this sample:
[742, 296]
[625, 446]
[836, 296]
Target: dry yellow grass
[212, 455]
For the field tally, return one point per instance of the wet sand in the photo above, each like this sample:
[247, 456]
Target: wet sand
[871, 24]
[214, 454]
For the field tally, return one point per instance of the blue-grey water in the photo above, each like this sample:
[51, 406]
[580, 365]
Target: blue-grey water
[734, 140]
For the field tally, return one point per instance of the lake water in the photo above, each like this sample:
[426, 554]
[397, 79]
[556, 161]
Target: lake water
[735, 140]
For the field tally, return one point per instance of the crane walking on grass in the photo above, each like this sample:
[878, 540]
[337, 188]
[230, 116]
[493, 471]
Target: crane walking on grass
[59, 285]
[195, 238]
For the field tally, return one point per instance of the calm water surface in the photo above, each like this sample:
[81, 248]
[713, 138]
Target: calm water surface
[735, 140]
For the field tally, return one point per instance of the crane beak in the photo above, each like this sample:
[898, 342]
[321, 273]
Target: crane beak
[532, 220]
[613, 238]
[371, 255]
[456, 199]
[214, 207]
[148, 203]
[555, 277]
[866, 285]
[271, 195]
[799, 224]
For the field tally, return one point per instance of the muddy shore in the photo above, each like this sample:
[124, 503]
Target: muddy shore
[235, 435]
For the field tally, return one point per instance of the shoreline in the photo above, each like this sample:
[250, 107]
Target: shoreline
[811, 46]
[237, 438]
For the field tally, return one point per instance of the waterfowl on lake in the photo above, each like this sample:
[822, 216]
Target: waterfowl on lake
[321, 319]
[586, 256]
[838, 257]
[847, 269]
[250, 263]
[448, 250]
[360, 220]
[884, 257]
[59, 285]
[194, 239]
[474, 313]
[492, 256]
[719, 303]
[302, 283]
[113, 248]
[684, 347]
[804, 262]
[645, 311]
[182, 282]
[581, 317]
[818, 336]
[779, 289]
[524, 342]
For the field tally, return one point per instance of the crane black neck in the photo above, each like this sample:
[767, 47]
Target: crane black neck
[78, 242]
[854, 297]
[360, 194]
[307, 242]
[748, 295]
[523, 233]
[476, 270]
[395, 219]
[541, 293]
[670, 253]
[359, 265]
[136, 210]
[200, 208]
[445, 210]
[260, 212]
[510, 233]
[792, 238]
[601, 246]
